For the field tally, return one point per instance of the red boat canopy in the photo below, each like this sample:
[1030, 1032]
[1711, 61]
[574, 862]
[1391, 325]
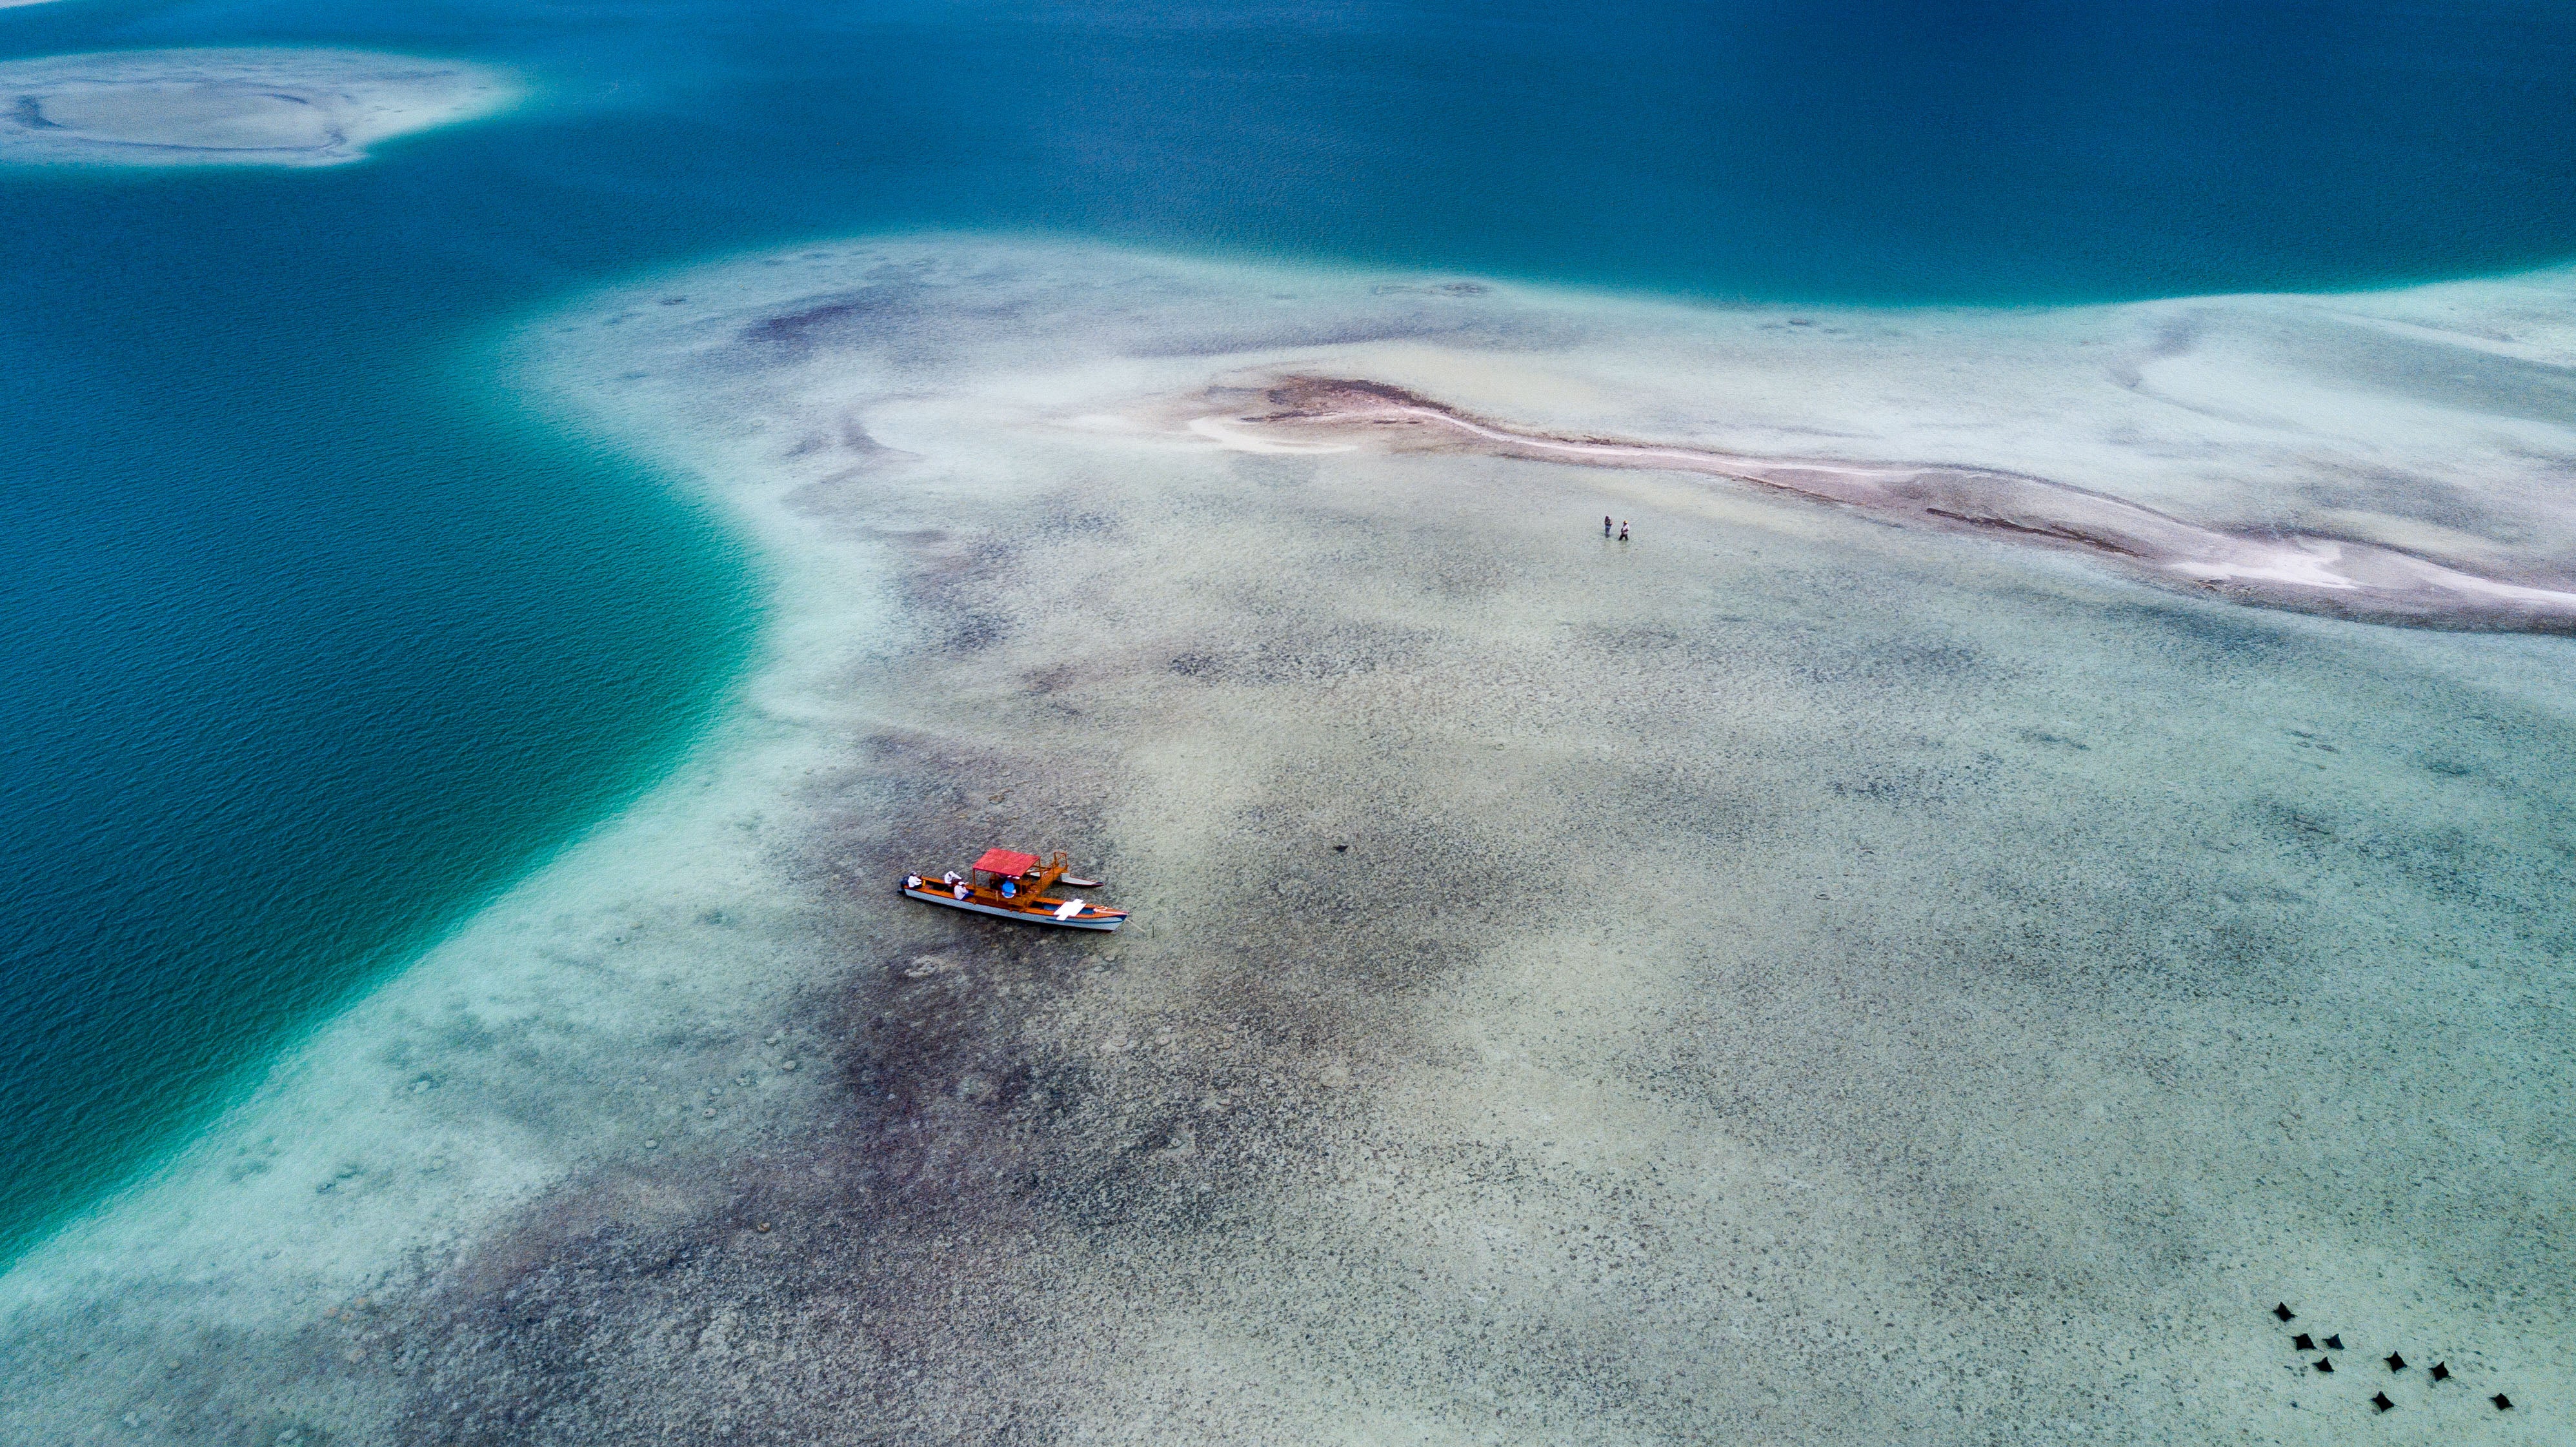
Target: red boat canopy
[1008, 863]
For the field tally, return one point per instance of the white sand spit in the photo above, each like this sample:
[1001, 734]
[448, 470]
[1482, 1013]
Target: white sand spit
[232, 107]
[2276, 568]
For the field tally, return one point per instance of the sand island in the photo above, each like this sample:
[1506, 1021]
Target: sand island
[264, 107]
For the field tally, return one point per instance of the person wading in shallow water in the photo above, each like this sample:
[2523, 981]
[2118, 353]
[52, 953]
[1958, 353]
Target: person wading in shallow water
[1605, 525]
[1623, 530]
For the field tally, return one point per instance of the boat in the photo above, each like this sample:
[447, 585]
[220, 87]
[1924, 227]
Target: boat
[1007, 884]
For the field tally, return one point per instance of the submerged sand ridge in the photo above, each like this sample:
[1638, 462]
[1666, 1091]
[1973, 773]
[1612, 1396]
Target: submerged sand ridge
[1789, 979]
[273, 107]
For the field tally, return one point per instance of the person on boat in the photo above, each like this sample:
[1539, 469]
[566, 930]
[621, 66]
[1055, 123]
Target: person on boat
[1010, 889]
[912, 881]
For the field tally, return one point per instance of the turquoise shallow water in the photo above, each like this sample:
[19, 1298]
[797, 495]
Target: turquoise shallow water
[317, 646]
[318, 641]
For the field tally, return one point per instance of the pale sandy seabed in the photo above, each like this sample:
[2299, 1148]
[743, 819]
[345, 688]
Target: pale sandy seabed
[1792, 978]
[269, 107]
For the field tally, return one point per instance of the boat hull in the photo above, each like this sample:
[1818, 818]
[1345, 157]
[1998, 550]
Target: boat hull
[1092, 918]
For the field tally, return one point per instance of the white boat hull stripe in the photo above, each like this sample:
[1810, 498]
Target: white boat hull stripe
[1098, 922]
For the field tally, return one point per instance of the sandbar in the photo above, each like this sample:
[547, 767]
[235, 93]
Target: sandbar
[2276, 568]
[265, 107]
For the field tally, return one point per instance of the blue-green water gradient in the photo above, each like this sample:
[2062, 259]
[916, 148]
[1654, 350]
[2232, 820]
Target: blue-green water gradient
[315, 640]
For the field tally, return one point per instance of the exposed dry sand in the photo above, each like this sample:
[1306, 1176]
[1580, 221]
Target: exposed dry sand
[1791, 979]
[274, 107]
[2272, 567]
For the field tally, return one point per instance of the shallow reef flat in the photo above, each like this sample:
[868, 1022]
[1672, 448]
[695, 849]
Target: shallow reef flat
[267, 107]
[1802, 976]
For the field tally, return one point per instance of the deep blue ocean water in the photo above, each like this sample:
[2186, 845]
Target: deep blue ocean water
[315, 640]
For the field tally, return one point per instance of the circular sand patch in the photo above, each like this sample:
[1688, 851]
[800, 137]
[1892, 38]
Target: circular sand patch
[255, 107]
